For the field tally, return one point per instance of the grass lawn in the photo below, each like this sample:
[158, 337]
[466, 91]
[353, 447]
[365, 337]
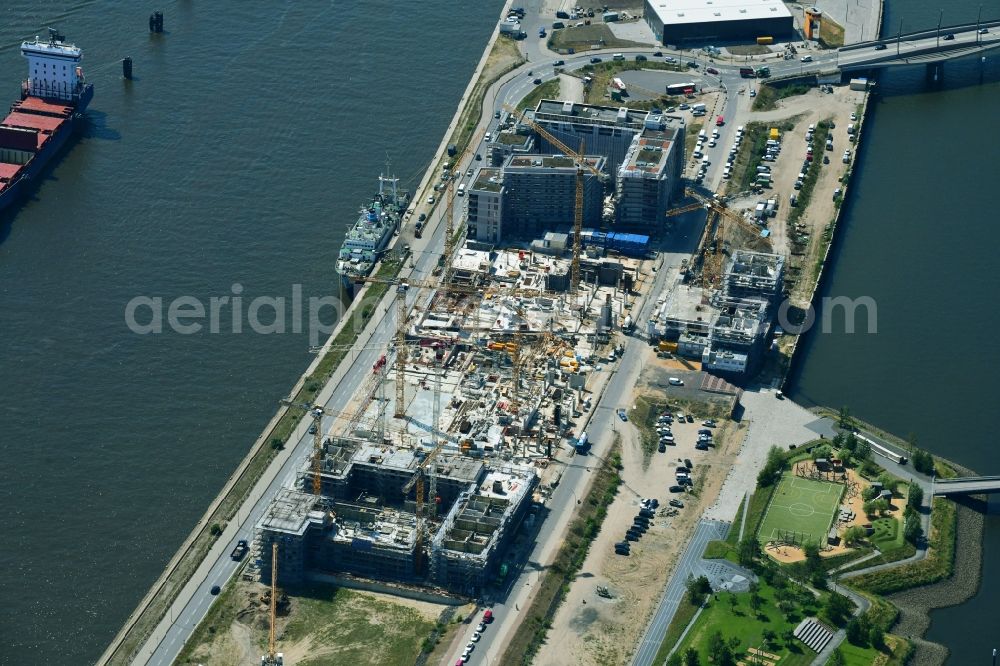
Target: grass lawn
[768, 96]
[356, 628]
[341, 626]
[803, 507]
[584, 37]
[858, 656]
[741, 622]
[547, 90]
[831, 34]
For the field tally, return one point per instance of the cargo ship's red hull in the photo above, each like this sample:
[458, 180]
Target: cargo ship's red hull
[30, 135]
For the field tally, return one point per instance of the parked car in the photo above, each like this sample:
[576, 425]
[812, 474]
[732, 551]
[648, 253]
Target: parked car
[622, 415]
[708, 423]
[687, 463]
[676, 503]
[595, 60]
[690, 419]
[948, 37]
[880, 47]
[674, 381]
[676, 489]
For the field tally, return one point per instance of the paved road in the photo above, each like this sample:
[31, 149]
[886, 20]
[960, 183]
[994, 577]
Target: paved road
[689, 565]
[194, 603]
[927, 46]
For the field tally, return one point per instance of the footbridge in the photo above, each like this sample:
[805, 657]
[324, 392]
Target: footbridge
[969, 485]
[927, 47]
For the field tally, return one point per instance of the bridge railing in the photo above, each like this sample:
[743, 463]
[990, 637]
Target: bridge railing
[922, 34]
[966, 479]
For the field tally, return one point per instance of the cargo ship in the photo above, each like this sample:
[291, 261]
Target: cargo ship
[53, 100]
[368, 238]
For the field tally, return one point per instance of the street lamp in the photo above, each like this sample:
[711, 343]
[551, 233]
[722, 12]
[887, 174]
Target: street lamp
[940, 16]
[899, 36]
[978, 19]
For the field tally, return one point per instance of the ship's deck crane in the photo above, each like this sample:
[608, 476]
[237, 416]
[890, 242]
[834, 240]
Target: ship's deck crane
[402, 312]
[581, 164]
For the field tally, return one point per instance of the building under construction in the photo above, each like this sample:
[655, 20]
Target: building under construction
[496, 365]
[726, 329]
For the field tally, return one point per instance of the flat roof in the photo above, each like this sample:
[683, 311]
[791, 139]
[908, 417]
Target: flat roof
[675, 12]
[488, 180]
[576, 112]
[549, 162]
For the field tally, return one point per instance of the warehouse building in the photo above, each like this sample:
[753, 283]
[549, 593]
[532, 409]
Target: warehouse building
[680, 21]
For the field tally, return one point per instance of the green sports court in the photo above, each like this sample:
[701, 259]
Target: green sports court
[801, 510]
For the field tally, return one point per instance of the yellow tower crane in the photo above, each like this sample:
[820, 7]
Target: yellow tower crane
[418, 480]
[273, 657]
[316, 412]
[715, 235]
[402, 313]
[581, 164]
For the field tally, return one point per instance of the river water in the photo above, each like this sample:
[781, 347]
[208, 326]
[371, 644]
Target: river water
[239, 154]
[918, 236]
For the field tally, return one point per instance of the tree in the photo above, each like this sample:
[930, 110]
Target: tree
[770, 638]
[813, 561]
[676, 659]
[912, 530]
[837, 659]
[755, 599]
[857, 631]
[822, 451]
[215, 530]
[719, 652]
[838, 608]
[854, 535]
[749, 550]
[844, 419]
[733, 602]
[869, 493]
[923, 462]
[691, 657]
[773, 467]
[889, 482]
[876, 637]
[882, 506]
[698, 588]
[914, 496]
[862, 449]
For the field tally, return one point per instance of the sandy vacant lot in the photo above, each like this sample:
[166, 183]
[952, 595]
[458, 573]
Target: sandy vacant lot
[588, 629]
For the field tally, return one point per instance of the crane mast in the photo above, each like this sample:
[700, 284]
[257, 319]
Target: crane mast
[581, 164]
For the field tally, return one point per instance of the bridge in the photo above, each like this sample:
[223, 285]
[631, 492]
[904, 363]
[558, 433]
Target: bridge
[926, 47]
[969, 485]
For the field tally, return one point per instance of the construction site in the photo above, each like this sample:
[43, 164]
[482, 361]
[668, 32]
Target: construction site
[428, 475]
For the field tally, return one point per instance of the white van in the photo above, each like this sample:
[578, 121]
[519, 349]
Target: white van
[674, 381]
[618, 56]
[702, 134]
[461, 190]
